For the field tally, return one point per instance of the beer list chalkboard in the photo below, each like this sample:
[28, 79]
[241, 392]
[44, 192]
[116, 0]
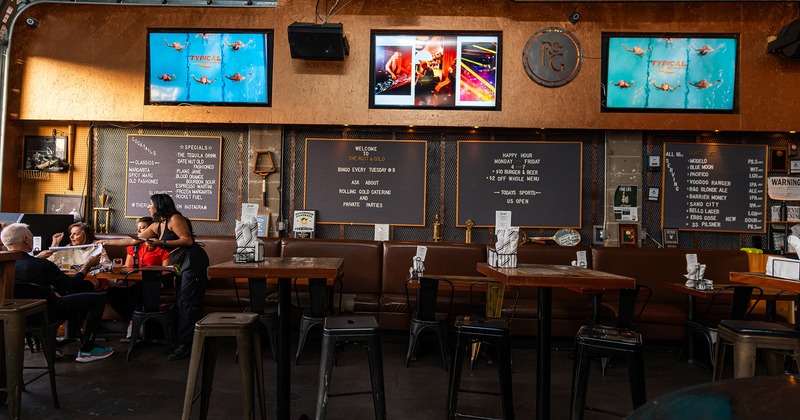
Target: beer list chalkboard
[539, 182]
[185, 167]
[366, 181]
[714, 187]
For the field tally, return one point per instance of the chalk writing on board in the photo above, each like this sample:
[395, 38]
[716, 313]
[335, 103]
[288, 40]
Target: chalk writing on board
[539, 182]
[714, 187]
[366, 181]
[186, 168]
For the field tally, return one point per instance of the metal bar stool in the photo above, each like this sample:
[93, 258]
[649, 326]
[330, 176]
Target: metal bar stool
[245, 327]
[747, 337]
[14, 315]
[321, 302]
[351, 329]
[491, 331]
[150, 310]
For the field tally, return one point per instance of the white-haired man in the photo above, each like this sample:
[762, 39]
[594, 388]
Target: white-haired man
[54, 283]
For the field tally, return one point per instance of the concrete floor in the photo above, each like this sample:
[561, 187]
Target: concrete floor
[150, 387]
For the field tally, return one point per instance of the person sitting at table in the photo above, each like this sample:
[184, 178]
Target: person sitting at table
[79, 234]
[53, 286]
[173, 232]
[139, 255]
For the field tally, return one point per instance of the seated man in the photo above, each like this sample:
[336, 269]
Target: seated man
[29, 269]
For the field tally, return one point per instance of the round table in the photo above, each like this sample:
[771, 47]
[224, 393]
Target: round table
[761, 397]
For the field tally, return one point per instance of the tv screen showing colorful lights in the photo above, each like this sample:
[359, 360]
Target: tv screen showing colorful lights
[192, 67]
[669, 73]
[435, 70]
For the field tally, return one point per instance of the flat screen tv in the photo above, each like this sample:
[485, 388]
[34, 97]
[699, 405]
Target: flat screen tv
[669, 73]
[220, 67]
[442, 70]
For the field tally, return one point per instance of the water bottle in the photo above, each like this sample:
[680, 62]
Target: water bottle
[136, 256]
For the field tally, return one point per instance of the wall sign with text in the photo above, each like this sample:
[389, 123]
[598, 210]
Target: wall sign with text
[538, 182]
[185, 167]
[714, 187]
[366, 181]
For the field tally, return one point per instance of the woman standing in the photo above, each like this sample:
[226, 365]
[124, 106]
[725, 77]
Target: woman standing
[173, 232]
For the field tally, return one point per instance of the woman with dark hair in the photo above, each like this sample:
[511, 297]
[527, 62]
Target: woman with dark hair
[173, 232]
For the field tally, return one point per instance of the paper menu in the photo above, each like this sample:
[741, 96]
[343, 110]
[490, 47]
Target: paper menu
[502, 219]
[249, 211]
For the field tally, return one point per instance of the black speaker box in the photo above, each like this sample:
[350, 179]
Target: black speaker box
[311, 41]
[788, 41]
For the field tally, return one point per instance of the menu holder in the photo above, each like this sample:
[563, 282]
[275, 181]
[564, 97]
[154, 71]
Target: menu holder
[245, 254]
[784, 268]
[502, 260]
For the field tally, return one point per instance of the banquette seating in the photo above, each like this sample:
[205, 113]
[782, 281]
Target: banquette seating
[375, 274]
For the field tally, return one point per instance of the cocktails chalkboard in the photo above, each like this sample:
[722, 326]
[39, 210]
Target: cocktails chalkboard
[186, 168]
[714, 187]
[366, 181]
[539, 182]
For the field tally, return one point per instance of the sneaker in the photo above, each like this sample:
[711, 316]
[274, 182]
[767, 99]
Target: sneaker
[96, 353]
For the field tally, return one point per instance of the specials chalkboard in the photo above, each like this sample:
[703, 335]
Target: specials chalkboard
[539, 182]
[366, 181]
[714, 187]
[187, 168]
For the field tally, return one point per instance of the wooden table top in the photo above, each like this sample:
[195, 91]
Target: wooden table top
[763, 280]
[769, 293]
[568, 276]
[281, 267]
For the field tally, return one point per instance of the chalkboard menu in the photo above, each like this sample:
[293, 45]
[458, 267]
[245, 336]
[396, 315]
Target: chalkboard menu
[186, 168]
[539, 182]
[366, 181]
[714, 187]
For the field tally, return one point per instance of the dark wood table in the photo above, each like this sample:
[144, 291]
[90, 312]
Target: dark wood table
[770, 296]
[284, 269]
[763, 280]
[545, 277]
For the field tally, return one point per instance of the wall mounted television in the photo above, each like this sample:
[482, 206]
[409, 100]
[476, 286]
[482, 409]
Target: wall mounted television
[218, 67]
[690, 73]
[440, 70]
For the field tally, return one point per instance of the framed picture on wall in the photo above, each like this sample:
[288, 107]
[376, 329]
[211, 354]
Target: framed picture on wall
[46, 153]
[670, 237]
[628, 235]
[653, 193]
[778, 159]
[794, 166]
[64, 204]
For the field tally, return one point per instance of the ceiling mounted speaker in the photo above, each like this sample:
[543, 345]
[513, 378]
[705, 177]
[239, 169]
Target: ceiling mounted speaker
[311, 41]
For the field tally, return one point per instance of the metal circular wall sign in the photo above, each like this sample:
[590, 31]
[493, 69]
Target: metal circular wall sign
[552, 57]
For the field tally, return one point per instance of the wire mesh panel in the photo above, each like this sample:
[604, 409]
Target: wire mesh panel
[441, 178]
[109, 166]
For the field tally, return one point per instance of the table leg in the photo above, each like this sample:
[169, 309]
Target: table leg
[691, 304]
[543, 355]
[284, 366]
[258, 292]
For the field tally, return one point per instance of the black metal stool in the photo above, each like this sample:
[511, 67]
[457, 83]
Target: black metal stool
[245, 327]
[492, 331]
[352, 329]
[151, 309]
[321, 300]
[611, 341]
[14, 315]
[424, 315]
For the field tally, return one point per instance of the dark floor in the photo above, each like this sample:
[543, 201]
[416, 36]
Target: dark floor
[150, 387]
